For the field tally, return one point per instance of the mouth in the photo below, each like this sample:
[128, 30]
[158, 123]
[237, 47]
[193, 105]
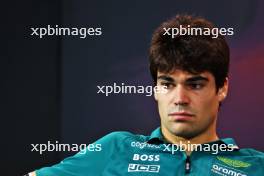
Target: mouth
[181, 116]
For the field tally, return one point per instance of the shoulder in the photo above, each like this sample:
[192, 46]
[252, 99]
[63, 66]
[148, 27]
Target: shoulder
[120, 137]
[252, 156]
[117, 141]
[252, 152]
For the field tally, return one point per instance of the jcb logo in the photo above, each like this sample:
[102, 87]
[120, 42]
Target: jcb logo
[143, 168]
[144, 157]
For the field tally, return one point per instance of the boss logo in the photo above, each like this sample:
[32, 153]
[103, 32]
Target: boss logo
[143, 168]
[145, 157]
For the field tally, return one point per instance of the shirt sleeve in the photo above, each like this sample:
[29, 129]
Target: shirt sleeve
[85, 162]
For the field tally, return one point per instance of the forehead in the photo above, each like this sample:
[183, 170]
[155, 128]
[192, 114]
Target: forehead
[181, 75]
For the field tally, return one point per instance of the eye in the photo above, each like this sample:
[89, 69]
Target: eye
[168, 85]
[195, 86]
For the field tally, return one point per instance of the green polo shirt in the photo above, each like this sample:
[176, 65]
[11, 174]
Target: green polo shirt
[127, 154]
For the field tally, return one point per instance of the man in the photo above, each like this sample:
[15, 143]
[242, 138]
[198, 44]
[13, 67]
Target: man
[194, 69]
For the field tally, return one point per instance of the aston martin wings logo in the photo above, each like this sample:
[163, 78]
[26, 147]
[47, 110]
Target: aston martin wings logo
[233, 163]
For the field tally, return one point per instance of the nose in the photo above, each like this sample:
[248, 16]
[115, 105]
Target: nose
[181, 96]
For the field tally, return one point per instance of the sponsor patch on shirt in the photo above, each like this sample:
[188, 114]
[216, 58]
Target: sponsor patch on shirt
[143, 168]
[229, 167]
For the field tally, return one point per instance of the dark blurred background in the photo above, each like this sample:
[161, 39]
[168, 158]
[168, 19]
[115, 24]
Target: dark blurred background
[49, 88]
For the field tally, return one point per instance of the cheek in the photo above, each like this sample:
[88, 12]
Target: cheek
[163, 105]
[209, 105]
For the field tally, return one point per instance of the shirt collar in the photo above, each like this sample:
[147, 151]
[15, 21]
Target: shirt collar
[156, 137]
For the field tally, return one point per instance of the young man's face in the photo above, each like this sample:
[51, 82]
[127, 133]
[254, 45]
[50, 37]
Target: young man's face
[190, 106]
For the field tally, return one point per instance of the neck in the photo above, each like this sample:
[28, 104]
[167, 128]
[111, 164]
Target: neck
[207, 136]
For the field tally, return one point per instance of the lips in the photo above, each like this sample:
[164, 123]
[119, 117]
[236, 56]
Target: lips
[181, 116]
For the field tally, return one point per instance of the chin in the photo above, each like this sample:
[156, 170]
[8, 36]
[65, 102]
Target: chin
[184, 133]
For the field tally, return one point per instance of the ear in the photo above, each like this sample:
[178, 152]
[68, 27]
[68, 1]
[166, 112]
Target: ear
[222, 92]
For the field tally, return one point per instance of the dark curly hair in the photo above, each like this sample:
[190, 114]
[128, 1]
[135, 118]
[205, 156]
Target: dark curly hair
[192, 53]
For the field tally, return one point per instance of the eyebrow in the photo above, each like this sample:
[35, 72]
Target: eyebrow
[165, 78]
[191, 79]
[197, 78]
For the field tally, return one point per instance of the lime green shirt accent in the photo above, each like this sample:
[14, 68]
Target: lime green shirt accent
[233, 163]
[127, 154]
